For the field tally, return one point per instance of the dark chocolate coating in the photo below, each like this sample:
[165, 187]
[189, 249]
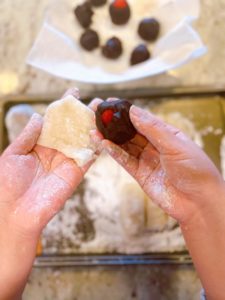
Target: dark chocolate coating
[89, 40]
[139, 55]
[119, 16]
[84, 14]
[149, 29]
[120, 130]
[113, 48]
[98, 2]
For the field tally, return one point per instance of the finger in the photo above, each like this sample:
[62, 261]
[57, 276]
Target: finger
[112, 99]
[140, 141]
[85, 168]
[163, 137]
[97, 138]
[28, 138]
[94, 103]
[149, 155]
[132, 149]
[127, 161]
[72, 92]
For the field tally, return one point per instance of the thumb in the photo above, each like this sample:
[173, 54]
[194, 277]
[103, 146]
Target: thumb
[28, 138]
[165, 138]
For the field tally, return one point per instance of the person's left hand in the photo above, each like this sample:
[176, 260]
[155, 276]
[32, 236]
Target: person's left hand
[35, 183]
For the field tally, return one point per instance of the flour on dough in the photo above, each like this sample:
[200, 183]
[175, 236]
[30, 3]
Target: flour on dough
[67, 126]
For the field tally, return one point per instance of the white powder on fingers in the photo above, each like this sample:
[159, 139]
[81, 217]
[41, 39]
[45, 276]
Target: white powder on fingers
[160, 193]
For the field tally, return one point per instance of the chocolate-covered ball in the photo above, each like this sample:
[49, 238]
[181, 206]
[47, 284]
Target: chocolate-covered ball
[84, 14]
[119, 12]
[113, 48]
[89, 40]
[113, 121]
[139, 55]
[149, 29]
[98, 2]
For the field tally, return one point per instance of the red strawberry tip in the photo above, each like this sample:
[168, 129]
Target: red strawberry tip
[120, 3]
[107, 116]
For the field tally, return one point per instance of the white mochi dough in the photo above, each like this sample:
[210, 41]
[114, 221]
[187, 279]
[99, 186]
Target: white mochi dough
[66, 128]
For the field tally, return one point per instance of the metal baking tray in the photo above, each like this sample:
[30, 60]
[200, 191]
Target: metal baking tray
[206, 105]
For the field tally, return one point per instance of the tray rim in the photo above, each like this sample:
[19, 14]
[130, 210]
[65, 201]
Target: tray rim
[92, 260]
[138, 92]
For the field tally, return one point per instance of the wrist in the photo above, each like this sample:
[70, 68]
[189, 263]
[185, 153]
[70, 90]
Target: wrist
[17, 253]
[204, 238]
[206, 207]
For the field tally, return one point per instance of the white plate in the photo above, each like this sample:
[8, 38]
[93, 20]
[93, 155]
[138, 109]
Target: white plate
[58, 52]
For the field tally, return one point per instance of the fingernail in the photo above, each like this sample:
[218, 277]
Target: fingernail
[136, 111]
[112, 99]
[73, 92]
[95, 103]
[36, 117]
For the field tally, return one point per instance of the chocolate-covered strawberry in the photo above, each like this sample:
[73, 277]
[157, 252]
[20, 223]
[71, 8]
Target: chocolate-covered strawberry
[139, 55]
[84, 14]
[119, 12]
[89, 40]
[113, 121]
[113, 48]
[149, 29]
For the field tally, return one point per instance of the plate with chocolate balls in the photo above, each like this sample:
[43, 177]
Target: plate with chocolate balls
[110, 41]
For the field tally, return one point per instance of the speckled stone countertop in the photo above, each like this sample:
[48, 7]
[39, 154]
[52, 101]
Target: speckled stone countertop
[19, 24]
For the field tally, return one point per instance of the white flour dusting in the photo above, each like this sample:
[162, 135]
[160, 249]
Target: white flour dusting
[161, 193]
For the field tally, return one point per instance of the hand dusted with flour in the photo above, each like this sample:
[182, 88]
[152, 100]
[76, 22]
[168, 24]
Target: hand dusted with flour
[35, 182]
[183, 181]
[170, 168]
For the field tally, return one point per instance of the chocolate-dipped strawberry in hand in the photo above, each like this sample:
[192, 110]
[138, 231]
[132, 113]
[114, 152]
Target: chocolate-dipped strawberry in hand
[120, 12]
[113, 121]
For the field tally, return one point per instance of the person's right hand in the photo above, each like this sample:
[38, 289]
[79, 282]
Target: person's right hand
[182, 180]
[174, 172]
